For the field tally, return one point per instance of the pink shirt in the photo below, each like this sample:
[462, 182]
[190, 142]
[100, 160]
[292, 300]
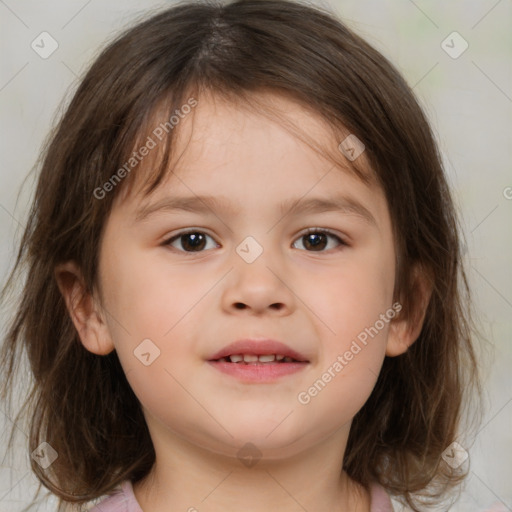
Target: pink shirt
[123, 500]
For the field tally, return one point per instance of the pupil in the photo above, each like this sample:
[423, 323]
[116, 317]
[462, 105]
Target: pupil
[315, 244]
[196, 238]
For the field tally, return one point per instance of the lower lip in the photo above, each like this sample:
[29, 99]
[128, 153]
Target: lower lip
[262, 372]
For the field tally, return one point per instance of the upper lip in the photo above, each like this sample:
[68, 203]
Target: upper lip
[258, 347]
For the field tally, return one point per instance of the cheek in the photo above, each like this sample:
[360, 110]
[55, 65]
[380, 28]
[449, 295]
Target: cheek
[167, 393]
[352, 297]
[349, 364]
[354, 304]
[152, 304]
[148, 296]
[152, 301]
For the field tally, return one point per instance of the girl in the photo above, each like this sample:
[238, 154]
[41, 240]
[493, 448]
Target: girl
[244, 283]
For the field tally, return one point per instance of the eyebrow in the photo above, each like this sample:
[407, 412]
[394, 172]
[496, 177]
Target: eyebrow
[210, 204]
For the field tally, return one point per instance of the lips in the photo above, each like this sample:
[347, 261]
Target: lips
[258, 361]
[253, 348]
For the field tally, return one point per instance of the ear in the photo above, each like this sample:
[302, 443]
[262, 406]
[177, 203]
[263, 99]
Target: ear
[405, 330]
[83, 309]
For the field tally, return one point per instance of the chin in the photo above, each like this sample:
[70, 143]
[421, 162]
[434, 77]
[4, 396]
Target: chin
[274, 437]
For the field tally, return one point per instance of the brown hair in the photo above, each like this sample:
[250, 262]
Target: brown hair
[81, 403]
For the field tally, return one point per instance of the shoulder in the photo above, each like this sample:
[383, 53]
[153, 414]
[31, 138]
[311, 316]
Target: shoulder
[380, 500]
[121, 499]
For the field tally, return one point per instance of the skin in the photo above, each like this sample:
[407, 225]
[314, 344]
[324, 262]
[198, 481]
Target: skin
[186, 303]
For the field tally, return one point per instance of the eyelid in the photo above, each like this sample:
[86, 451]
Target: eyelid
[343, 240]
[327, 231]
[169, 239]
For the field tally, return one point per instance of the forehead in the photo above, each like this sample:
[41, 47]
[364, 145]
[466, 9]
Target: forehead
[270, 138]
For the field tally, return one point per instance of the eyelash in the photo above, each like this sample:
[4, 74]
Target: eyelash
[309, 231]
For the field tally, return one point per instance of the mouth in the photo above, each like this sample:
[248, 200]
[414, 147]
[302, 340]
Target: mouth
[258, 360]
[253, 359]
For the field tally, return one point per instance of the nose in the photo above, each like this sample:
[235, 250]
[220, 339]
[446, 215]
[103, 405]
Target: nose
[258, 286]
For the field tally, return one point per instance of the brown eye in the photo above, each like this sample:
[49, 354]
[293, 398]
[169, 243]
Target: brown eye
[190, 241]
[316, 240]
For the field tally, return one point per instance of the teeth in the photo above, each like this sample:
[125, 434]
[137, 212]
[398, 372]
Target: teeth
[251, 358]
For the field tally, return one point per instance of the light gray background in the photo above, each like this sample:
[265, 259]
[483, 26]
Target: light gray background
[468, 99]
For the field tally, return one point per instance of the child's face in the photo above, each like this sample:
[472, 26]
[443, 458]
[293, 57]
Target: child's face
[192, 304]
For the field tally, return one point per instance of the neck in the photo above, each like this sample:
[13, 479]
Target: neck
[187, 477]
